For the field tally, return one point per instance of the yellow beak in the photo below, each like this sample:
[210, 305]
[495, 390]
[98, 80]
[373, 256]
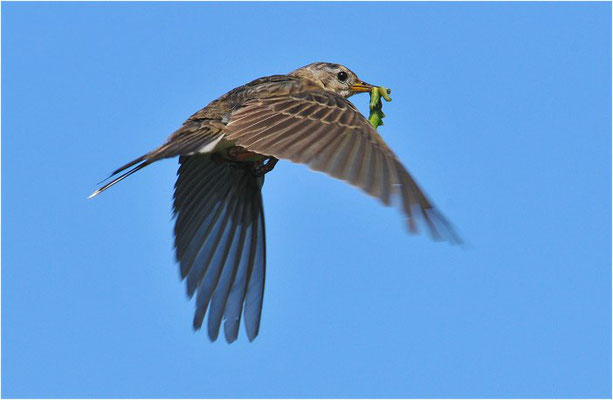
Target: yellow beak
[361, 87]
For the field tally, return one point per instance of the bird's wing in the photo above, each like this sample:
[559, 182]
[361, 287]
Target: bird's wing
[326, 132]
[220, 243]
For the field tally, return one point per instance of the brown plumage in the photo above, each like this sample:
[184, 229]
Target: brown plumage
[225, 149]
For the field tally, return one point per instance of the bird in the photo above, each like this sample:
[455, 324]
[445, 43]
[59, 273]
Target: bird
[225, 150]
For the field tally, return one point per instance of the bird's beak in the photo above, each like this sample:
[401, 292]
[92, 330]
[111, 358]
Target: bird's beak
[361, 87]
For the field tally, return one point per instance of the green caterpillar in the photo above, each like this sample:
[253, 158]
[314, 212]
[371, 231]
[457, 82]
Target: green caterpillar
[376, 114]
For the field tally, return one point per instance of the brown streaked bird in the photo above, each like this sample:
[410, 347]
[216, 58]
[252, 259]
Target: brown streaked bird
[224, 151]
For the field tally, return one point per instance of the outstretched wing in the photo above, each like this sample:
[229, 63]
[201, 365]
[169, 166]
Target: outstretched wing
[220, 243]
[326, 132]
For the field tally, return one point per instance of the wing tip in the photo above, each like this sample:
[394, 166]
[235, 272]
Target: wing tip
[448, 233]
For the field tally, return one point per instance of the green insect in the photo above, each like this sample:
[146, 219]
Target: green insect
[376, 114]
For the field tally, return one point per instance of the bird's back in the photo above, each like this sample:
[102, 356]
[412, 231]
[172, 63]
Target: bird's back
[261, 88]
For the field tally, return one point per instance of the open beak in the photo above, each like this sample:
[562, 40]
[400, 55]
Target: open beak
[361, 87]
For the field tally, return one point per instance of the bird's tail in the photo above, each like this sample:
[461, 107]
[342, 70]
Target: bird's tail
[138, 164]
[191, 138]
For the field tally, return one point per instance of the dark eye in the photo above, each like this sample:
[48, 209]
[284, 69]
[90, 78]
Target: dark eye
[342, 76]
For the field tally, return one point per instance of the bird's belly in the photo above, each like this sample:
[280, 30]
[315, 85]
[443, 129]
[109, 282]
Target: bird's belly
[211, 146]
[227, 150]
[240, 154]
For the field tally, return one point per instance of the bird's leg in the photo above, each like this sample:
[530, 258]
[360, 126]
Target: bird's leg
[260, 165]
[270, 164]
[261, 169]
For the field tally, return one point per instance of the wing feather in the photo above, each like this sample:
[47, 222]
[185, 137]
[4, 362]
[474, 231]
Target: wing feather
[219, 240]
[209, 271]
[220, 296]
[326, 132]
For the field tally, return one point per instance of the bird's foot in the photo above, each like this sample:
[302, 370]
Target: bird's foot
[239, 157]
[260, 168]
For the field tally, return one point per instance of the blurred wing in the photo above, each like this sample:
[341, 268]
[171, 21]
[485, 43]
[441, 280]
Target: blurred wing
[220, 243]
[326, 132]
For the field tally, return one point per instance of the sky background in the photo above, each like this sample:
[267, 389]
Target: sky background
[502, 112]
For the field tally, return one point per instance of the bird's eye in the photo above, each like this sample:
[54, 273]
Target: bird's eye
[342, 76]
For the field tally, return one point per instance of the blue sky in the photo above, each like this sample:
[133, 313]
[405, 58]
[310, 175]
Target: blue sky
[501, 111]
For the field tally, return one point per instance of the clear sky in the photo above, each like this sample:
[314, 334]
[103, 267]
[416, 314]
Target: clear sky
[501, 111]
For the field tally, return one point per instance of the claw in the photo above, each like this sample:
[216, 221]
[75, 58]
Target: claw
[261, 170]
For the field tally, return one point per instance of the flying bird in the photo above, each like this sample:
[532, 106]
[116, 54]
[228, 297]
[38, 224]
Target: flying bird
[226, 148]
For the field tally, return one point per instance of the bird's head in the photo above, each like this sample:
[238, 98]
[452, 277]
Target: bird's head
[333, 78]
